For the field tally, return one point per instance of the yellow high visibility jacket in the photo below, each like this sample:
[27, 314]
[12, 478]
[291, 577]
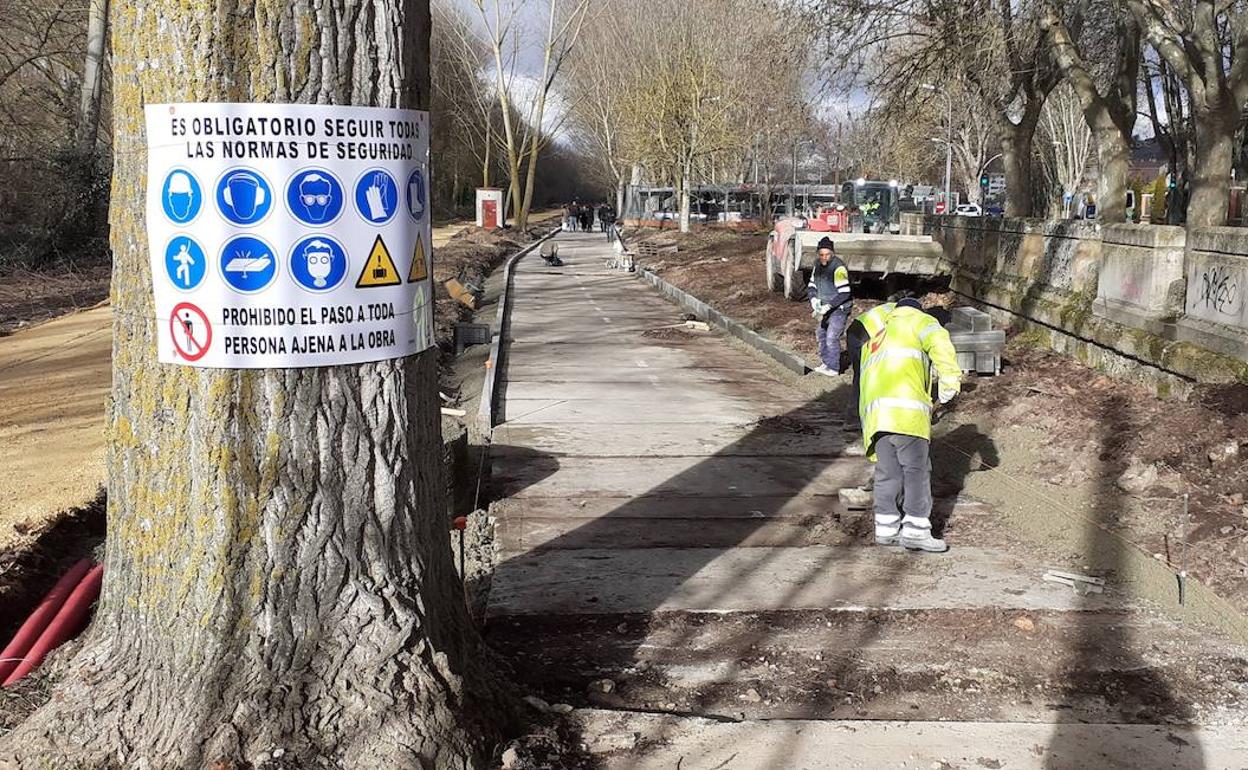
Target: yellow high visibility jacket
[873, 320]
[896, 375]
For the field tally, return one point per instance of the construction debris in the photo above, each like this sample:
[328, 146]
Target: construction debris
[1082, 584]
[856, 498]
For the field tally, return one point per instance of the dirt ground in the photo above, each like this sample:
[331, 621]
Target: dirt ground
[28, 298]
[1119, 454]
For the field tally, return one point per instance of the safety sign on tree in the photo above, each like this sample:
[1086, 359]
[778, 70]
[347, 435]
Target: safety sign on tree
[288, 235]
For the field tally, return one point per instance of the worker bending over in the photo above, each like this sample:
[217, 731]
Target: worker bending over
[896, 410]
[859, 333]
[831, 303]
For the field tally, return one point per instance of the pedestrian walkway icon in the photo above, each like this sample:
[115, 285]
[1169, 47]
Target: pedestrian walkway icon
[190, 331]
[248, 264]
[318, 263]
[416, 195]
[420, 270]
[185, 263]
[379, 270]
[377, 196]
[314, 196]
[181, 197]
[244, 197]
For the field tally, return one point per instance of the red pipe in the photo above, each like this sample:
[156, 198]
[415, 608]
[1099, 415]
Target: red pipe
[29, 633]
[66, 623]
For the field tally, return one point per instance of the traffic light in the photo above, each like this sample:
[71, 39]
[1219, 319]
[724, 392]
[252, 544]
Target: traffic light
[983, 181]
[1171, 183]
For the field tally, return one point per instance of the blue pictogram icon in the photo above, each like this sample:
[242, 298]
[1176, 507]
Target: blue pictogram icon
[248, 264]
[185, 263]
[244, 197]
[314, 196]
[318, 263]
[181, 196]
[377, 196]
[416, 194]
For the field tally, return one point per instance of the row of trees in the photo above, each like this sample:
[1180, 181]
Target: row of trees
[707, 90]
[1189, 61]
[496, 118]
[53, 154]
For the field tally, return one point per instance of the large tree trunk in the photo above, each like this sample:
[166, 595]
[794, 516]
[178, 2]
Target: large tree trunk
[278, 570]
[1211, 171]
[1113, 154]
[1016, 139]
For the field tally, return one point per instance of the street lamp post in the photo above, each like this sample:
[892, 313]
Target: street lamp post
[948, 141]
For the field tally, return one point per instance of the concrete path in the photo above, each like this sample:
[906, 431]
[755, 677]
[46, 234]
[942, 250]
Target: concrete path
[669, 521]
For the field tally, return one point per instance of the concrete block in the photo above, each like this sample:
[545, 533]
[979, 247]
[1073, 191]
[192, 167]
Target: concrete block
[1217, 280]
[1141, 277]
[971, 319]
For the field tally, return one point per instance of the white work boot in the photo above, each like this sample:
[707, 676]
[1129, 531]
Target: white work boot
[924, 542]
[826, 371]
[888, 539]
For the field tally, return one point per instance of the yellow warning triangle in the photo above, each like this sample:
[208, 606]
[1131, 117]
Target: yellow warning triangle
[419, 271]
[379, 270]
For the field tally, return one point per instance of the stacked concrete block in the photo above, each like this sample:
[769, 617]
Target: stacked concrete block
[979, 346]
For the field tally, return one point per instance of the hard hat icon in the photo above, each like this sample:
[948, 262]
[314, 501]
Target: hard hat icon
[180, 195]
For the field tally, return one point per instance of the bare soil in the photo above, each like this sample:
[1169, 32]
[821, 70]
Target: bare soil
[1122, 454]
[28, 297]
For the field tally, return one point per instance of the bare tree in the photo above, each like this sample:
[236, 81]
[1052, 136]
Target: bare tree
[93, 77]
[1109, 111]
[894, 47]
[1067, 142]
[1205, 43]
[277, 571]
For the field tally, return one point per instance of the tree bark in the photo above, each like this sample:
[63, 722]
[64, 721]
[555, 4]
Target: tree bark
[686, 176]
[1211, 171]
[278, 570]
[92, 77]
[1016, 140]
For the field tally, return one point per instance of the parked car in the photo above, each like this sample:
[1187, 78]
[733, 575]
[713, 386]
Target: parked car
[968, 210]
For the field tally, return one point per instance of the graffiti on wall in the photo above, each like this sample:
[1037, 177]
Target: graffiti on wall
[1217, 289]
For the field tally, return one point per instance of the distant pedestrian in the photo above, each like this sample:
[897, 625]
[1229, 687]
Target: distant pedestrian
[587, 218]
[569, 215]
[831, 301]
[606, 217]
[896, 410]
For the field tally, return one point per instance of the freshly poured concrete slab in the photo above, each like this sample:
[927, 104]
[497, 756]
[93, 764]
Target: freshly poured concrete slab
[704, 508]
[694, 375]
[601, 581]
[658, 742]
[659, 391]
[821, 439]
[585, 477]
[517, 535]
[725, 409]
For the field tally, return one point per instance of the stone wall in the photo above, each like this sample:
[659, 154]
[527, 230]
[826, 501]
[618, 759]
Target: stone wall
[1150, 303]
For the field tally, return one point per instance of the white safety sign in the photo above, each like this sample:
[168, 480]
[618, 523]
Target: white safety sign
[288, 235]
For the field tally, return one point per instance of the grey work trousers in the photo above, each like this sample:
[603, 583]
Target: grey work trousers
[903, 486]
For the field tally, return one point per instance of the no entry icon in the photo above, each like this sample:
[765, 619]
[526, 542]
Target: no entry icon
[190, 331]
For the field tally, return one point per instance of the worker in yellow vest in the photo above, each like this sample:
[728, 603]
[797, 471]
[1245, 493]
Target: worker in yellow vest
[895, 406]
[859, 333]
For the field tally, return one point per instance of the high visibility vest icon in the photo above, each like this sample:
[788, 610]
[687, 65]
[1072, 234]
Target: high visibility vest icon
[379, 269]
[419, 271]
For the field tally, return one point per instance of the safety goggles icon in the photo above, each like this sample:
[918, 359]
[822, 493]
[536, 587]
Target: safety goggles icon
[319, 200]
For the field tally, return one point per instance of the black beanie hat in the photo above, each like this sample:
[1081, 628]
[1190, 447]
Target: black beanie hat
[826, 243]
